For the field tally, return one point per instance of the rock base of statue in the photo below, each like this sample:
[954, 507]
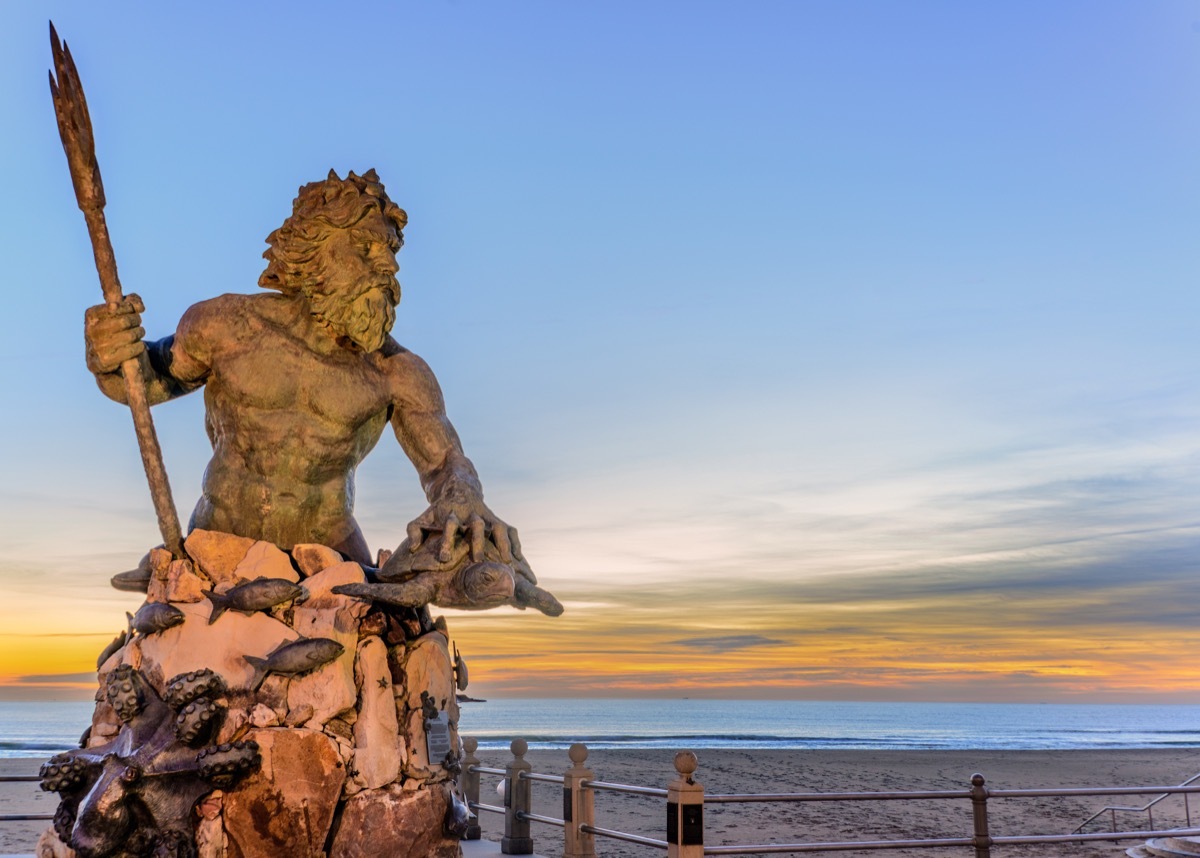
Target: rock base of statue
[357, 736]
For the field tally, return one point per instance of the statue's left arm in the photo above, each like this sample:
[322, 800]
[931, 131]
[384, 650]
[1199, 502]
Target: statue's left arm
[456, 508]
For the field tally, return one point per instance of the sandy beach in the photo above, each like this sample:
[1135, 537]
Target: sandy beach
[723, 771]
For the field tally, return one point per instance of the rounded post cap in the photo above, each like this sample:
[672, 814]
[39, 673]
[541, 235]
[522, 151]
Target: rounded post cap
[518, 747]
[686, 763]
[470, 744]
[578, 753]
[977, 780]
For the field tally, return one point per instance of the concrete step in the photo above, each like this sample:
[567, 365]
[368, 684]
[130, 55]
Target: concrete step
[1171, 847]
[1186, 845]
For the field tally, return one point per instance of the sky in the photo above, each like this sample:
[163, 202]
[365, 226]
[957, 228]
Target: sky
[819, 350]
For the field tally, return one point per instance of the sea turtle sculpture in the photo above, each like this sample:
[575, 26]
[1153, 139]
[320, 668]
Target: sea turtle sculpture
[472, 578]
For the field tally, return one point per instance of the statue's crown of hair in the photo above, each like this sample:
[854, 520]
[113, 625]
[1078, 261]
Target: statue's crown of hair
[314, 197]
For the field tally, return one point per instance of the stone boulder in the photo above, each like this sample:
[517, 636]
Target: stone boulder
[216, 554]
[394, 822]
[429, 669]
[330, 689]
[178, 582]
[428, 672]
[49, 846]
[312, 559]
[378, 750]
[287, 806]
[264, 560]
[210, 833]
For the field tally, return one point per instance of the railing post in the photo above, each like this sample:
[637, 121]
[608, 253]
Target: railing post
[578, 806]
[517, 801]
[979, 813]
[685, 810]
[468, 784]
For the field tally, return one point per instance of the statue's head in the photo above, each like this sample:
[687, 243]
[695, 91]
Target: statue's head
[338, 249]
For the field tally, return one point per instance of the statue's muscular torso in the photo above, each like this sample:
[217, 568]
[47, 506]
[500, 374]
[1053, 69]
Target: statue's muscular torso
[290, 414]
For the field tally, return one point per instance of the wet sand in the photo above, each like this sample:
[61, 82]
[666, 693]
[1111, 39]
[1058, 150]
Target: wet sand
[726, 771]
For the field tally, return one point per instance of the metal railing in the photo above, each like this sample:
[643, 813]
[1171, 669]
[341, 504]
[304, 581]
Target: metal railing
[23, 817]
[1147, 808]
[685, 800]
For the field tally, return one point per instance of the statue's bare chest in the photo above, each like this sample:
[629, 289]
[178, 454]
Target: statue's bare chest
[277, 375]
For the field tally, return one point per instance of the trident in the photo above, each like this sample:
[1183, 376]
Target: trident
[75, 129]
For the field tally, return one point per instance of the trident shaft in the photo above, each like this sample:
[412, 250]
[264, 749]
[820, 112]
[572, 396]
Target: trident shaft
[75, 129]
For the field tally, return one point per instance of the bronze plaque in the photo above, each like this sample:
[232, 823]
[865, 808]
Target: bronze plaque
[437, 738]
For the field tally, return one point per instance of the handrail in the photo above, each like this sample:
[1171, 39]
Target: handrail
[23, 817]
[606, 786]
[1081, 791]
[621, 835]
[743, 798]
[534, 776]
[537, 817]
[490, 808]
[1019, 839]
[1145, 808]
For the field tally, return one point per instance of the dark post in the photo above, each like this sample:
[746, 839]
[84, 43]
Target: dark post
[468, 783]
[685, 810]
[517, 801]
[979, 797]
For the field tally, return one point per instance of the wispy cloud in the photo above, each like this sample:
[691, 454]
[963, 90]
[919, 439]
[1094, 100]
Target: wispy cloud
[728, 643]
[55, 679]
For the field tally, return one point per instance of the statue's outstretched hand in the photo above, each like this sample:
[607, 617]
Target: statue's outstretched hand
[113, 336]
[459, 517]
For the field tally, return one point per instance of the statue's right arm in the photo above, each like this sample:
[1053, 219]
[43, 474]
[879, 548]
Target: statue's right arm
[169, 366]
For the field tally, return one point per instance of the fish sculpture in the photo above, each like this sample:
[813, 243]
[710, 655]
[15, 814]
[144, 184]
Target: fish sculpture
[135, 580]
[294, 659]
[461, 676]
[457, 820]
[256, 595]
[116, 644]
[154, 617]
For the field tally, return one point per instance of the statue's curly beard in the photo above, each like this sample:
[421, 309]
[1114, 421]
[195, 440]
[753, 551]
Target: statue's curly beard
[365, 319]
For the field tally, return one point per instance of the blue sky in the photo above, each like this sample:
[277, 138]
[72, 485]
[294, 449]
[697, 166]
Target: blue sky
[798, 326]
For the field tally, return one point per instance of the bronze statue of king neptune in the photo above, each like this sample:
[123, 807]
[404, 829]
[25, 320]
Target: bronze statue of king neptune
[299, 383]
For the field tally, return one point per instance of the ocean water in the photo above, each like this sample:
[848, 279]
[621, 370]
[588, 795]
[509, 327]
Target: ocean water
[695, 724]
[41, 729]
